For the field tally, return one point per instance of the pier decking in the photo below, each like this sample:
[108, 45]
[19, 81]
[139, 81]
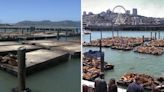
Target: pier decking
[13, 48]
[71, 47]
[8, 43]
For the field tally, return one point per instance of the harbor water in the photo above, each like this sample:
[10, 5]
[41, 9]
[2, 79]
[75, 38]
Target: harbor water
[64, 77]
[128, 61]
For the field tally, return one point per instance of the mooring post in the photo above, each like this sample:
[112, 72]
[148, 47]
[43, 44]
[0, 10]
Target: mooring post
[21, 31]
[58, 34]
[100, 45]
[143, 38]
[101, 56]
[100, 41]
[155, 35]
[112, 34]
[90, 37]
[101, 34]
[66, 33]
[151, 35]
[158, 34]
[102, 62]
[4, 30]
[21, 69]
[117, 33]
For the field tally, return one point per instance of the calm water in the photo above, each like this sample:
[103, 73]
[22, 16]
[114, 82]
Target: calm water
[129, 61]
[64, 77]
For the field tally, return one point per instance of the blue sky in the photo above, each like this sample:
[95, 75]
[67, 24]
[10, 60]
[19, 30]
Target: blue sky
[12, 11]
[151, 8]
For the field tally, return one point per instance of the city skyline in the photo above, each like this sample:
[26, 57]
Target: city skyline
[144, 7]
[13, 11]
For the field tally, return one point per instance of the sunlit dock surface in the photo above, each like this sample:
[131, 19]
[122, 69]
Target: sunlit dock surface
[72, 47]
[13, 48]
[8, 43]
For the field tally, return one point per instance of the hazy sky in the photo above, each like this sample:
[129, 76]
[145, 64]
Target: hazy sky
[17, 10]
[152, 8]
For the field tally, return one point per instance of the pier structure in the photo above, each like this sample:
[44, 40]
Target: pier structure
[37, 32]
[126, 27]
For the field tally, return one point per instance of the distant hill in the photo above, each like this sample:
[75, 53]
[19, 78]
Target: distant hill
[67, 23]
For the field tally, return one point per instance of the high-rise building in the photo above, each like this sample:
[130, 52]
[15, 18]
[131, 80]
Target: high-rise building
[108, 11]
[84, 13]
[90, 13]
[134, 11]
[128, 12]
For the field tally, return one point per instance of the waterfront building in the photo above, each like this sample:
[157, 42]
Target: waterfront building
[90, 13]
[108, 11]
[135, 11]
[128, 12]
[84, 13]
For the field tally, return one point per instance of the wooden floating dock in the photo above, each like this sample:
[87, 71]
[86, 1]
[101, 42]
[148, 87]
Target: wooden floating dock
[117, 42]
[9, 43]
[38, 60]
[93, 64]
[149, 50]
[71, 47]
[13, 48]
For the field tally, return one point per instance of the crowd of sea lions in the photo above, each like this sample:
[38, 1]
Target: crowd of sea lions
[156, 43]
[140, 45]
[149, 50]
[147, 81]
[92, 67]
[116, 41]
[10, 59]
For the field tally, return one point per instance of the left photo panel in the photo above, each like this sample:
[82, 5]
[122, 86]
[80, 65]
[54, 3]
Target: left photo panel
[40, 46]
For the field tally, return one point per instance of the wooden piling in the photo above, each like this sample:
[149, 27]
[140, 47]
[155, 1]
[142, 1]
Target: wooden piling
[66, 33]
[21, 69]
[155, 35]
[100, 46]
[151, 35]
[112, 34]
[117, 33]
[102, 62]
[90, 37]
[101, 34]
[143, 38]
[58, 34]
[158, 34]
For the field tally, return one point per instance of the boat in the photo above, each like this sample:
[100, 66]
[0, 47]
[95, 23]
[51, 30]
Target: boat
[108, 67]
[86, 31]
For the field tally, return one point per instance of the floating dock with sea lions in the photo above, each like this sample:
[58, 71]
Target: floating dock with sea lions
[92, 65]
[35, 60]
[149, 50]
[120, 43]
[147, 81]
[40, 54]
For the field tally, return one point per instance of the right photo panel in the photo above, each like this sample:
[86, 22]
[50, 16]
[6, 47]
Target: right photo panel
[122, 46]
